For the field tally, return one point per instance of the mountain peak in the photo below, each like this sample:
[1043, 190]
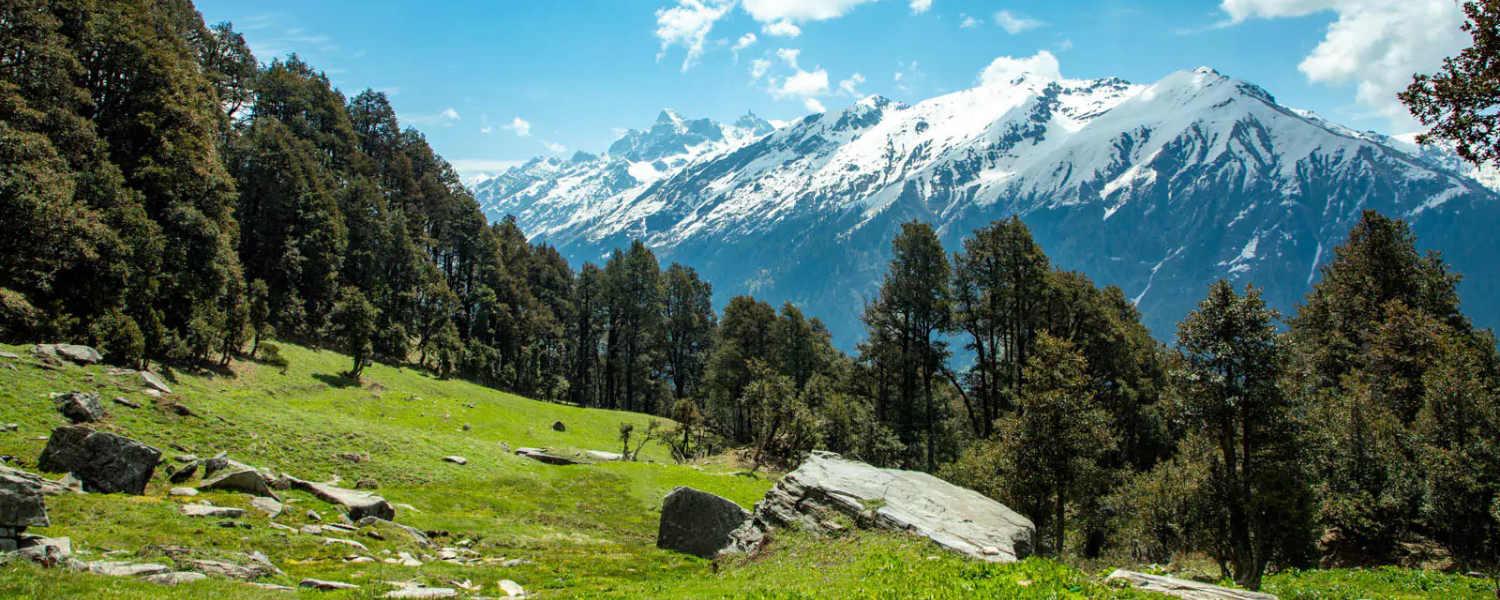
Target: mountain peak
[668, 117]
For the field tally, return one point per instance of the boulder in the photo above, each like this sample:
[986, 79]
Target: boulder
[318, 584]
[361, 504]
[955, 518]
[82, 355]
[171, 579]
[45, 551]
[698, 523]
[152, 381]
[457, 460]
[81, 408]
[422, 593]
[184, 492]
[199, 510]
[231, 570]
[606, 455]
[558, 426]
[184, 474]
[106, 463]
[66, 485]
[271, 507]
[539, 455]
[125, 569]
[1183, 588]
[247, 481]
[512, 589]
[21, 503]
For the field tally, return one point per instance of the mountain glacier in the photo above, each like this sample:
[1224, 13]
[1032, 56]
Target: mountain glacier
[1159, 189]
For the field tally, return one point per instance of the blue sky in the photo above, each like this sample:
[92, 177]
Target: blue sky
[496, 82]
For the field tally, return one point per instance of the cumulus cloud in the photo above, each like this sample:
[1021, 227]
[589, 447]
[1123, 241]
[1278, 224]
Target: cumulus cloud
[813, 105]
[920, 6]
[522, 127]
[850, 86]
[1013, 23]
[782, 29]
[803, 84]
[788, 55]
[767, 11]
[485, 129]
[1006, 69]
[1376, 44]
[758, 68]
[968, 22]
[744, 42]
[1065, 45]
[446, 118]
[555, 148]
[688, 25]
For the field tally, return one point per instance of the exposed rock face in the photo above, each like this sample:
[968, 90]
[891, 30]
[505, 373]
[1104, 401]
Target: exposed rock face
[1182, 588]
[125, 569]
[82, 355]
[958, 519]
[21, 503]
[249, 572]
[247, 481]
[106, 463]
[199, 510]
[171, 579]
[81, 408]
[153, 381]
[271, 507]
[361, 504]
[698, 523]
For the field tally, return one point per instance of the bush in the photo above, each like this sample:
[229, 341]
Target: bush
[119, 338]
[270, 354]
[1161, 514]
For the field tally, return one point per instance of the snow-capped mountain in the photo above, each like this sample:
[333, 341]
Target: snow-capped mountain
[1159, 189]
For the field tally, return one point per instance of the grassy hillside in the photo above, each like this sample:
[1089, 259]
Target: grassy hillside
[590, 529]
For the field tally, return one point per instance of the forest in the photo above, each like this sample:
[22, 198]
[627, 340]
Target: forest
[168, 198]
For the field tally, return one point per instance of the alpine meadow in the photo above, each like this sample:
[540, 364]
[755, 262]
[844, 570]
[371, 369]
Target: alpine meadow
[924, 334]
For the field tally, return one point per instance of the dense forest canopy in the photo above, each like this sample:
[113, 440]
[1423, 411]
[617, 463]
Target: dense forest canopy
[169, 198]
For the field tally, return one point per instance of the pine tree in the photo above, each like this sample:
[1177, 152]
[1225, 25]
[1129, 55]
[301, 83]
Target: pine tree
[690, 321]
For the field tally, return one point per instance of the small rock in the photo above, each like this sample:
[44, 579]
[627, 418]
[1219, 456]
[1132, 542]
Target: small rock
[269, 506]
[512, 589]
[540, 455]
[341, 527]
[81, 408]
[318, 584]
[49, 552]
[422, 593]
[232, 570]
[312, 529]
[272, 586]
[312, 514]
[126, 402]
[185, 492]
[467, 427]
[458, 460]
[248, 481]
[517, 562]
[152, 381]
[605, 455]
[185, 474]
[233, 524]
[275, 525]
[198, 510]
[172, 579]
[366, 484]
[82, 355]
[359, 559]
[126, 569]
[354, 457]
[186, 458]
[8, 427]
[558, 426]
[9, 355]
[331, 541]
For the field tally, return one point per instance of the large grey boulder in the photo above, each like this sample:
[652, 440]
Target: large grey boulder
[81, 408]
[21, 503]
[1183, 588]
[48, 486]
[82, 355]
[106, 463]
[955, 518]
[247, 481]
[361, 504]
[698, 523]
[152, 381]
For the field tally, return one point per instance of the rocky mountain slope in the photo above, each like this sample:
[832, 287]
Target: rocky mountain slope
[1159, 189]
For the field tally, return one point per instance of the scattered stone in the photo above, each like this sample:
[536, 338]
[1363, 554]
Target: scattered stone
[416, 534]
[45, 551]
[248, 481]
[698, 523]
[312, 529]
[318, 584]
[341, 527]
[312, 514]
[122, 401]
[540, 455]
[213, 465]
[271, 507]
[358, 559]
[9, 355]
[422, 593]
[458, 460]
[467, 427]
[1182, 588]
[21, 504]
[172, 579]
[154, 382]
[558, 426]
[328, 541]
[955, 518]
[366, 484]
[185, 474]
[67, 485]
[125, 569]
[80, 408]
[9, 427]
[272, 586]
[361, 504]
[82, 355]
[354, 457]
[517, 562]
[512, 589]
[106, 463]
[249, 572]
[199, 510]
[185, 492]
[605, 455]
[275, 525]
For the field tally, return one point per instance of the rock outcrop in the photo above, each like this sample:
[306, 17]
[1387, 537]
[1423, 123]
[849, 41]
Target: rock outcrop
[82, 355]
[955, 518]
[106, 463]
[539, 455]
[21, 504]
[81, 408]
[361, 504]
[152, 381]
[1183, 588]
[698, 523]
[248, 481]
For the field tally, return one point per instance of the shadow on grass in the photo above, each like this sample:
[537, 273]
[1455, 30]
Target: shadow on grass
[339, 380]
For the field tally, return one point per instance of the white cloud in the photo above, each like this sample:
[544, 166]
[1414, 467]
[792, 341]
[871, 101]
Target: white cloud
[1013, 23]
[969, 22]
[688, 25]
[485, 129]
[850, 86]
[1376, 44]
[920, 6]
[1065, 45]
[802, 84]
[451, 114]
[758, 68]
[782, 29]
[467, 166]
[446, 118]
[767, 11]
[909, 76]
[744, 42]
[812, 104]
[555, 148]
[522, 127]
[788, 55]
[1006, 69]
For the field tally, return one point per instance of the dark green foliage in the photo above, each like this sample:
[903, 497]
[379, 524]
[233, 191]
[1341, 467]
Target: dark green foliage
[1458, 103]
[354, 323]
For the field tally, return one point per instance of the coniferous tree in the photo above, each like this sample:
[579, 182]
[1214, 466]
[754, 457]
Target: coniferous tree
[687, 305]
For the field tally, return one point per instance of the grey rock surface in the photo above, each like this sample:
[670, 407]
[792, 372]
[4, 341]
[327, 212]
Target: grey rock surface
[48, 486]
[248, 481]
[81, 408]
[361, 504]
[698, 523]
[21, 503]
[82, 355]
[153, 381]
[542, 456]
[199, 510]
[171, 579]
[955, 518]
[106, 463]
[1183, 588]
[125, 569]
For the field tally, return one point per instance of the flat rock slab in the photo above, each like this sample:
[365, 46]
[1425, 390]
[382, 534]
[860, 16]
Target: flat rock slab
[606, 455]
[328, 541]
[152, 381]
[319, 584]
[21, 503]
[232, 570]
[247, 481]
[66, 485]
[698, 523]
[126, 569]
[106, 463]
[422, 593]
[82, 355]
[1183, 588]
[272, 508]
[955, 518]
[80, 408]
[171, 579]
[361, 504]
[183, 492]
[199, 510]
[512, 589]
[540, 456]
[457, 460]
